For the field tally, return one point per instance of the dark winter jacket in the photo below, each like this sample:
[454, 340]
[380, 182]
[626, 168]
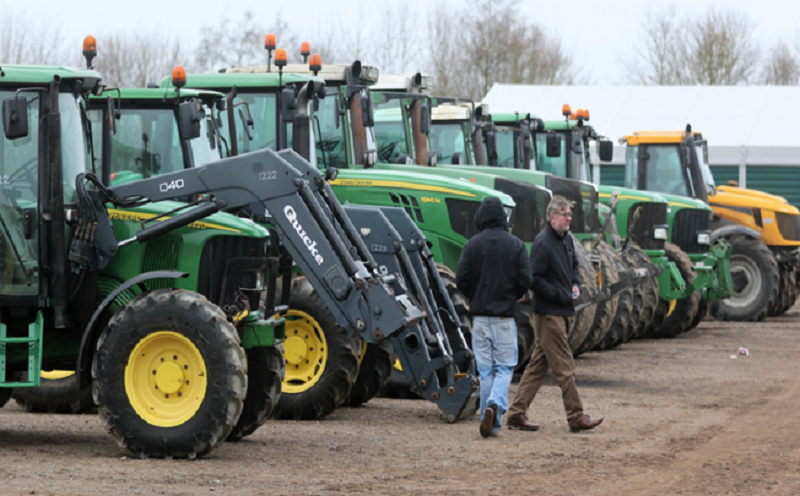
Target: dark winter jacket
[554, 269]
[493, 270]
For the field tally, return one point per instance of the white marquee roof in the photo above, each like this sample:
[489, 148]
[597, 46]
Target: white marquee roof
[751, 125]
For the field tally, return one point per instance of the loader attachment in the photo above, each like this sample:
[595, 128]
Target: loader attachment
[433, 353]
[354, 293]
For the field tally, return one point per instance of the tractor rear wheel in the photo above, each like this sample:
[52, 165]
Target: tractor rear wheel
[321, 358]
[624, 305]
[685, 309]
[266, 369]
[581, 322]
[606, 310]
[169, 375]
[756, 282]
[650, 299]
[377, 360]
[637, 305]
[56, 393]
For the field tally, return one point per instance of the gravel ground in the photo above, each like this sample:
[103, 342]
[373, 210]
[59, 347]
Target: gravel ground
[682, 417]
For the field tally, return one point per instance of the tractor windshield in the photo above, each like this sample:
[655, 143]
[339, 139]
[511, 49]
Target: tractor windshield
[553, 165]
[331, 143]
[447, 138]
[663, 170]
[506, 144]
[390, 131]
[263, 109]
[146, 144]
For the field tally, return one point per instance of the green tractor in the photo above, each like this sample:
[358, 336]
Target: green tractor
[400, 123]
[305, 115]
[562, 147]
[705, 259]
[168, 324]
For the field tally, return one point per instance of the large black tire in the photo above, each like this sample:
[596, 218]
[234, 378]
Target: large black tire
[321, 358]
[5, 395]
[788, 282]
[377, 361]
[55, 396]
[460, 302]
[624, 306]
[581, 322]
[702, 312]
[637, 305]
[685, 310]
[180, 336]
[606, 310]
[756, 282]
[650, 291]
[266, 369]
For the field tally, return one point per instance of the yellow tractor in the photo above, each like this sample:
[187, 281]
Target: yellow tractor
[764, 229]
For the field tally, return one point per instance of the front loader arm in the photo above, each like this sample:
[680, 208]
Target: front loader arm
[353, 293]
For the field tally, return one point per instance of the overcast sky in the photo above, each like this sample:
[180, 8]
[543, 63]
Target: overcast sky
[597, 33]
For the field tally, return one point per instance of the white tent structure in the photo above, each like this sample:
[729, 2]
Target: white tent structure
[749, 128]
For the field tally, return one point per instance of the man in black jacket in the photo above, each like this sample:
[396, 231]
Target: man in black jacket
[493, 273]
[554, 270]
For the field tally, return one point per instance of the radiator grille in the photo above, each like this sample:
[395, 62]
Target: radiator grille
[688, 224]
[653, 214]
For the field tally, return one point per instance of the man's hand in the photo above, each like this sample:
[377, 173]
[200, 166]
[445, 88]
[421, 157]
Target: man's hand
[576, 292]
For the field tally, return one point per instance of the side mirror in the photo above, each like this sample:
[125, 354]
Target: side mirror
[247, 124]
[188, 120]
[553, 145]
[425, 120]
[15, 117]
[337, 110]
[605, 150]
[367, 112]
[457, 159]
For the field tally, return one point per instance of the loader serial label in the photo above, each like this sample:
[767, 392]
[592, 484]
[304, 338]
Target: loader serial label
[311, 245]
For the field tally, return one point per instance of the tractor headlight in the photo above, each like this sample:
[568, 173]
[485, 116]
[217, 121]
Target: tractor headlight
[704, 239]
[660, 233]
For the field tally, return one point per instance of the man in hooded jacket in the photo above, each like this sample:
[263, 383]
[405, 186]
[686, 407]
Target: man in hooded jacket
[493, 272]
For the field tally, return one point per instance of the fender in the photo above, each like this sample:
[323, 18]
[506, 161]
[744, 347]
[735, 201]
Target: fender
[85, 355]
[732, 229]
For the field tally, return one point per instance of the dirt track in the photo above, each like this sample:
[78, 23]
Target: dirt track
[682, 417]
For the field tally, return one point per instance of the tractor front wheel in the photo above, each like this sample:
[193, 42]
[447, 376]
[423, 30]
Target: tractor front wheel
[169, 375]
[57, 393]
[266, 370]
[682, 315]
[5, 395]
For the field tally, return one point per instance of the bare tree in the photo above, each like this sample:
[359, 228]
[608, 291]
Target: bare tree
[31, 39]
[716, 48]
[397, 47]
[782, 66]
[442, 51]
[134, 59]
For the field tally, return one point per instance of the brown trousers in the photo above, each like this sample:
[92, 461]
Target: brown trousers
[551, 350]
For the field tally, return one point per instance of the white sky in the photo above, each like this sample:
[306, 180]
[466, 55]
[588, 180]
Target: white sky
[598, 33]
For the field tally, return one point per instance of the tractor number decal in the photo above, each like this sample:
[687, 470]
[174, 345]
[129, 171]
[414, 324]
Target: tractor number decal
[171, 185]
[429, 199]
[311, 245]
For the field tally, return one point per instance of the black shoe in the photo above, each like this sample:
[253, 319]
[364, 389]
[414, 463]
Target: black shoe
[488, 420]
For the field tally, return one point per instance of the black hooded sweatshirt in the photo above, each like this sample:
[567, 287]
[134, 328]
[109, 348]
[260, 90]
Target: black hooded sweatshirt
[494, 270]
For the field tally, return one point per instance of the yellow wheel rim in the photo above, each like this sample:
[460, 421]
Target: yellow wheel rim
[305, 350]
[165, 379]
[672, 305]
[54, 375]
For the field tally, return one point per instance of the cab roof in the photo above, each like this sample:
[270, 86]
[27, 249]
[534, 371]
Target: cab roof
[159, 93]
[332, 74]
[450, 112]
[404, 82]
[42, 74]
[512, 117]
[654, 137]
[241, 80]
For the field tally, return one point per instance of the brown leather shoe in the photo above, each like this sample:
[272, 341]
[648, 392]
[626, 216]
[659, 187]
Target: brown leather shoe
[521, 422]
[488, 422]
[585, 423]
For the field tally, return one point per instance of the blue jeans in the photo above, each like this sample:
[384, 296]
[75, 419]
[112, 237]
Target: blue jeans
[494, 341]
